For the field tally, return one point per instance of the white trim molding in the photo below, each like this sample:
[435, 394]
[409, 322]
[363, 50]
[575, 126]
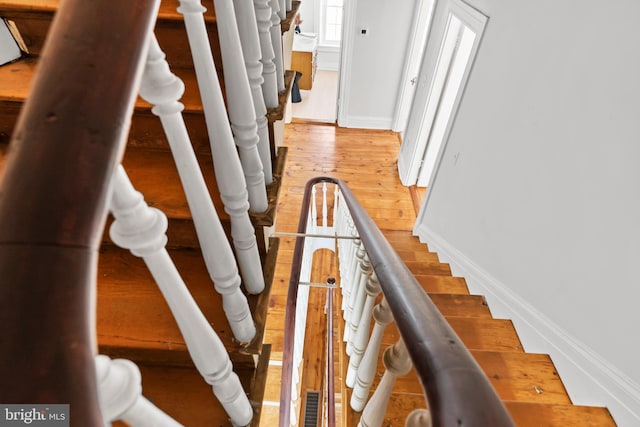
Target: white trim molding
[366, 122]
[588, 378]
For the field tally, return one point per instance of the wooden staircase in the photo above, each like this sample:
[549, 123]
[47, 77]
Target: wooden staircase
[133, 319]
[527, 383]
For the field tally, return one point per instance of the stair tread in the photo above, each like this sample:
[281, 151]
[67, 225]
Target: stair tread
[516, 376]
[461, 305]
[435, 268]
[442, 284]
[475, 333]
[526, 414]
[155, 175]
[133, 318]
[16, 78]
[420, 255]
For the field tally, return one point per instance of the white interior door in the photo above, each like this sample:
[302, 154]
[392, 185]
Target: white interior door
[420, 30]
[440, 85]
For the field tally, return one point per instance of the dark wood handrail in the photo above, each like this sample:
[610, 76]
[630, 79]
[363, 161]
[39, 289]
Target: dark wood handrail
[457, 390]
[53, 200]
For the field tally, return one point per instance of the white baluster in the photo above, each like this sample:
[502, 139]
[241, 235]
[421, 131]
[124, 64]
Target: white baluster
[337, 224]
[141, 229]
[314, 211]
[361, 337]
[162, 88]
[418, 418]
[358, 302]
[270, 84]
[120, 395]
[353, 263]
[276, 41]
[248, 30]
[282, 12]
[240, 104]
[356, 297]
[289, 5]
[324, 204]
[367, 368]
[397, 362]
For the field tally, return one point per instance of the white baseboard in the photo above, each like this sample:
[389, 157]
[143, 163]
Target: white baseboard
[589, 379]
[366, 122]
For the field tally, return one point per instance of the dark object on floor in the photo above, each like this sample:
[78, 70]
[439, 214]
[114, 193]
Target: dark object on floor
[295, 90]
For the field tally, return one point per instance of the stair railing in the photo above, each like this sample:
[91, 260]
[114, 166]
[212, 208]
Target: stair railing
[54, 197]
[456, 389]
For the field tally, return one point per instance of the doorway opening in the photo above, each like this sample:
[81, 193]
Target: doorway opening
[316, 56]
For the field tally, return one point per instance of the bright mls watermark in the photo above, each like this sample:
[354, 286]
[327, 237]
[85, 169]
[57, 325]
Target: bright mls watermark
[37, 415]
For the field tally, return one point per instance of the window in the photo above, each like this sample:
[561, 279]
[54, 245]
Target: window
[331, 15]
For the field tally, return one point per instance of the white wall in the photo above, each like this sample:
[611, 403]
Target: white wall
[538, 192]
[371, 73]
[308, 15]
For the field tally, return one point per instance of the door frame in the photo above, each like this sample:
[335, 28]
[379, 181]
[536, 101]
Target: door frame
[413, 152]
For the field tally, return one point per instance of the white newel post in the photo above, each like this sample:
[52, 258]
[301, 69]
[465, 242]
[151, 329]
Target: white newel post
[228, 169]
[289, 5]
[276, 42]
[270, 84]
[418, 418]
[141, 229]
[361, 337]
[240, 104]
[248, 29]
[120, 395]
[397, 363]
[367, 369]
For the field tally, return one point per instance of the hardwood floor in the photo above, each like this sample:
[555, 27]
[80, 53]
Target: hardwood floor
[366, 160]
[318, 104]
